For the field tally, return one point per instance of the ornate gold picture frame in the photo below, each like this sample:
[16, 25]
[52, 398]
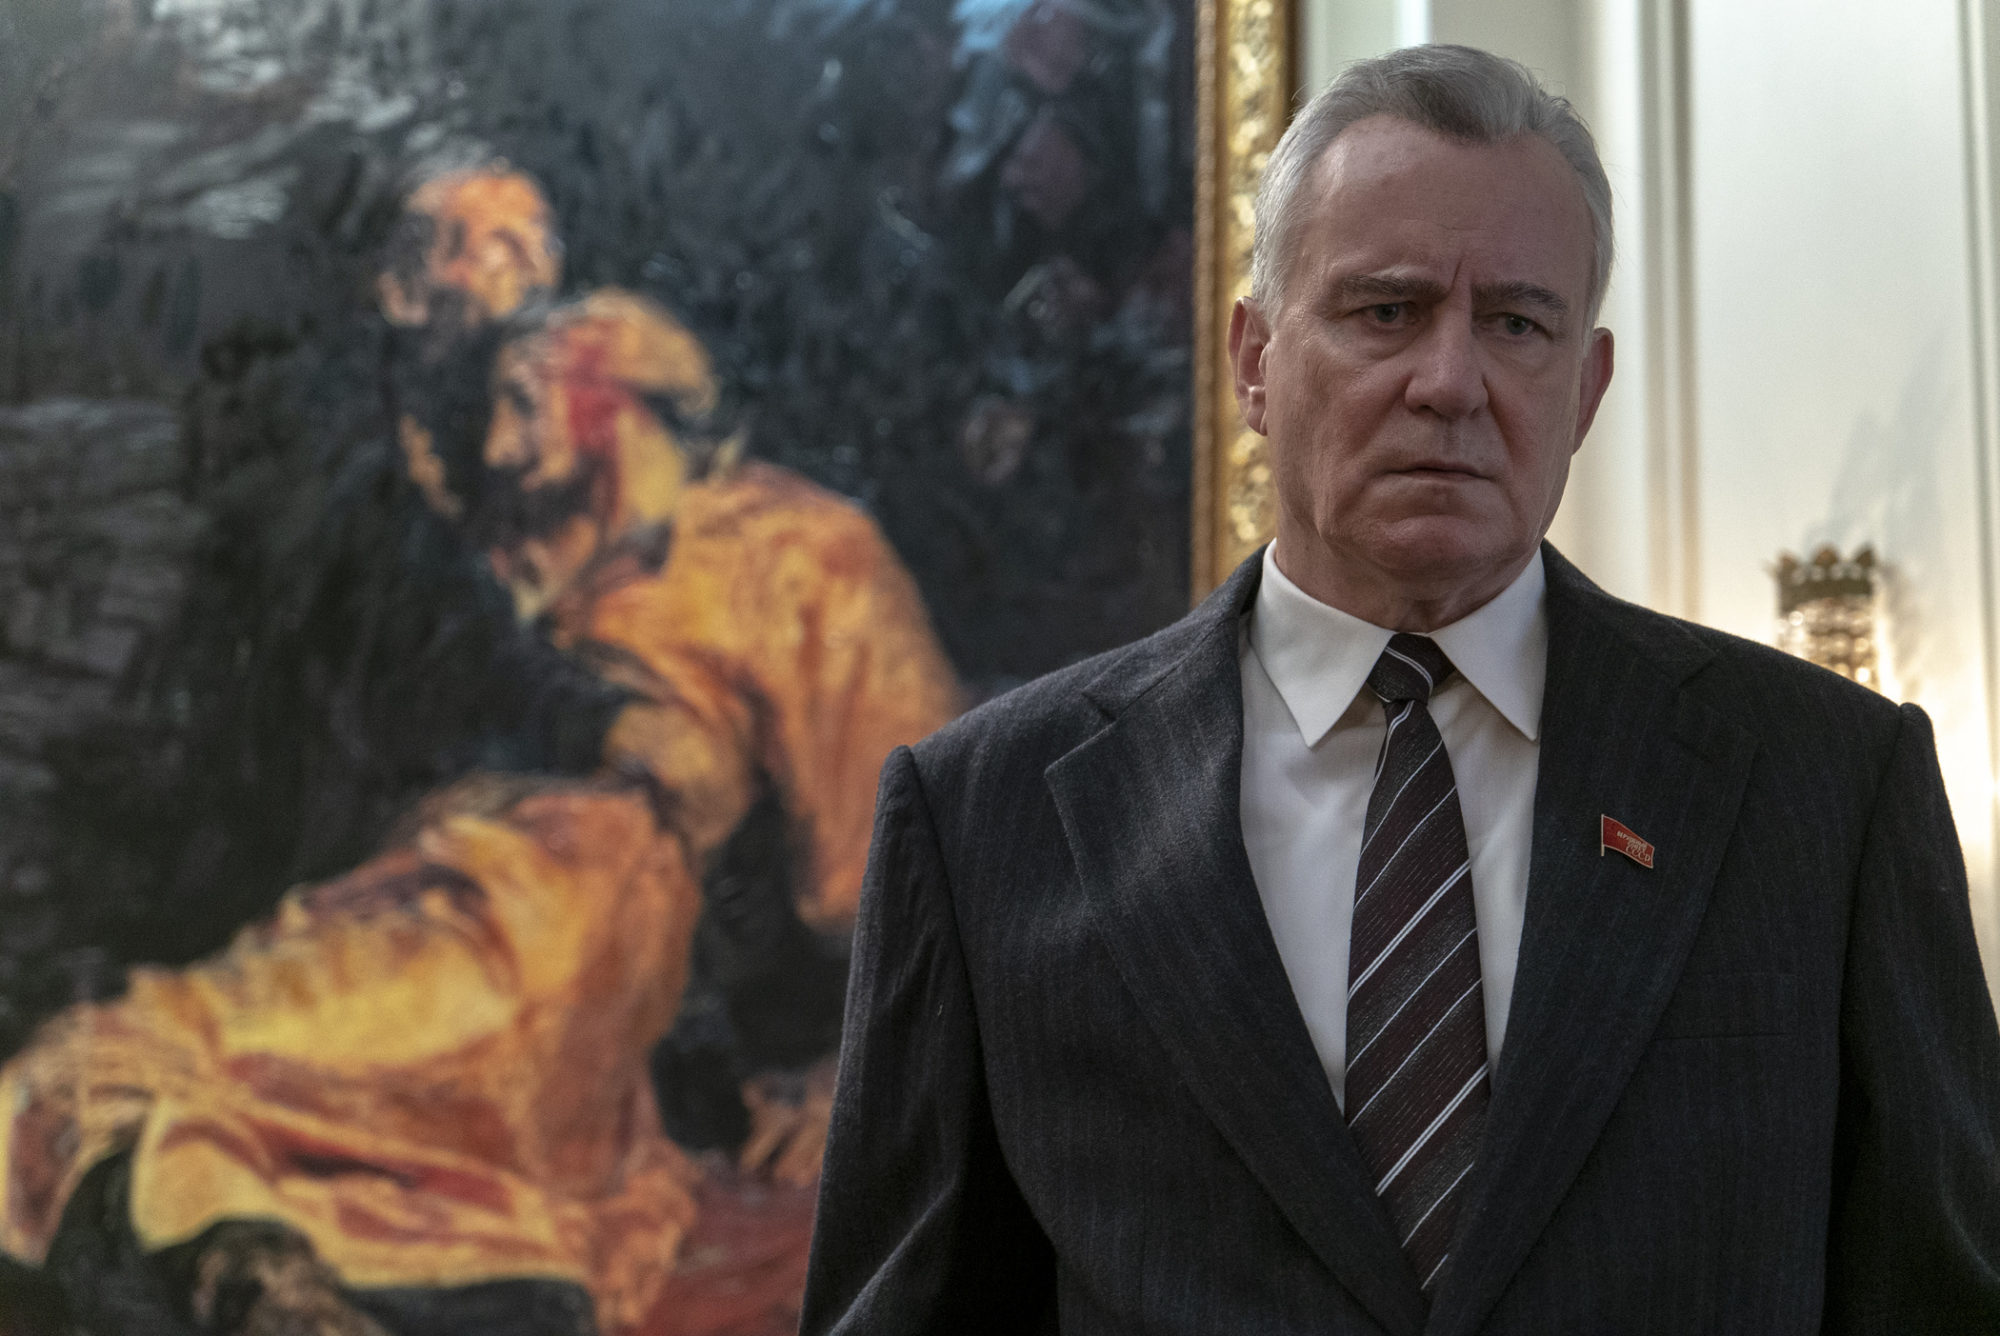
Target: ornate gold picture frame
[1247, 74]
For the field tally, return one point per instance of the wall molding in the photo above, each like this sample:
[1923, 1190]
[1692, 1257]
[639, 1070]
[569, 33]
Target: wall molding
[1671, 440]
[1979, 60]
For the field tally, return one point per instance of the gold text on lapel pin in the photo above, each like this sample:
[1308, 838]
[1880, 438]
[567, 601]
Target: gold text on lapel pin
[1617, 835]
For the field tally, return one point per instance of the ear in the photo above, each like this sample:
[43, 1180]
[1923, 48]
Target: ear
[1597, 362]
[1249, 336]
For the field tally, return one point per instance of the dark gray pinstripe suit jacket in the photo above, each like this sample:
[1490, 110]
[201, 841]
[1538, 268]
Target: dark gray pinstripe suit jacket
[1753, 1090]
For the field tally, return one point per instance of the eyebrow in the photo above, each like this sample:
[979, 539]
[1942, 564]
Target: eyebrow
[1392, 287]
[1386, 287]
[1520, 294]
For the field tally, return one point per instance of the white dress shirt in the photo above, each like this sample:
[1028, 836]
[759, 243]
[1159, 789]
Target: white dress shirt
[1311, 733]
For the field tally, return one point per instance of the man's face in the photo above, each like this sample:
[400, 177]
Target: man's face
[535, 516]
[528, 436]
[574, 458]
[475, 247]
[1429, 372]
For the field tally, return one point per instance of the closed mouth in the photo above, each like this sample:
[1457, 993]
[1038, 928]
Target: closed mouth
[1441, 471]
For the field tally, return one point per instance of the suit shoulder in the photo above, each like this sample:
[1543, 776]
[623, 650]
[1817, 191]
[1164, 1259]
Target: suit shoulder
[1021, 732]
[1771, 676]
[1773, 695]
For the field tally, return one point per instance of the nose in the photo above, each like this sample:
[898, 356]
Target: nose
[1447, 378]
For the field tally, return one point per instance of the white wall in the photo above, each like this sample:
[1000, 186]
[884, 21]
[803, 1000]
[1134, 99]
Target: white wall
[1333, 32]
[1833, 306]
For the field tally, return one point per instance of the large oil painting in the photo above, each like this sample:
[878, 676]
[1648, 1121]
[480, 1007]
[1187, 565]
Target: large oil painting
[484, 484]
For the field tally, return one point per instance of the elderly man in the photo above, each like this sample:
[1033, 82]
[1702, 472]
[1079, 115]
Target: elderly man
[1415, 937]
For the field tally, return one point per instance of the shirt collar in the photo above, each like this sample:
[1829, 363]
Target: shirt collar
[1319, 657]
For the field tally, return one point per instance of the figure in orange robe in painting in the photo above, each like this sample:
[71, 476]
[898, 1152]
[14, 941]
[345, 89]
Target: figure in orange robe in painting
[434, 1069]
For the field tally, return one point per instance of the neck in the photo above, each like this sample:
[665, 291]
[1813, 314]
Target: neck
[1385, 599]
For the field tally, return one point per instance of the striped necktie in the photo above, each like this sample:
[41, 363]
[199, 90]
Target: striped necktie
[1416, 1022]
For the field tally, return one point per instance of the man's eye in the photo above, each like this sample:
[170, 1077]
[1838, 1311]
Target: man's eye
[1388, 313]
[1517, 325]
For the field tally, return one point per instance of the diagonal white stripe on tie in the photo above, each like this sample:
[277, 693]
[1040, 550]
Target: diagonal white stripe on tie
[1415, 919]
[1431, 1131]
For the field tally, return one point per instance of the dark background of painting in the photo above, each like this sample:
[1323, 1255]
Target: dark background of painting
[938, 248]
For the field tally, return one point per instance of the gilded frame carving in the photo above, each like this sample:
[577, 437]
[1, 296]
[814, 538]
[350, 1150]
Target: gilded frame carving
[1247, 77]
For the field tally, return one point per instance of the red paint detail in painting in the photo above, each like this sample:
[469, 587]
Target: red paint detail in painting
[743, 1268]
[594, 400]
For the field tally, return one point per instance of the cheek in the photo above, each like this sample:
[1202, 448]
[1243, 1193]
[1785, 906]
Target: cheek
[1294, 398]
[1325, 415]
[1540, 431]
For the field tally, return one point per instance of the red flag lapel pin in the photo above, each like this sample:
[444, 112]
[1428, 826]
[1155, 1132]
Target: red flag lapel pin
[1617, 835]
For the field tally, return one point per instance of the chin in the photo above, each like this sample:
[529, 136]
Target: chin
[1439, 551]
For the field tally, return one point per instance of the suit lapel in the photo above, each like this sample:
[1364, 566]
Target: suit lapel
[1150, 808]
[1605, 939]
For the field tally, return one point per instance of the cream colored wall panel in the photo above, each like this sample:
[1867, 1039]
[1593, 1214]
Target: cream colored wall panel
[1333, 33]
[1607, 520]
[1544, 35]
[1834, 357]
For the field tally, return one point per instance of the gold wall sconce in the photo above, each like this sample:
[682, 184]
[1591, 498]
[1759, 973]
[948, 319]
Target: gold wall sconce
[1828, 612]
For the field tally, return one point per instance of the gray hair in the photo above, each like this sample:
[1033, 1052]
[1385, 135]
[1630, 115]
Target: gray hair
[1457, 91]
